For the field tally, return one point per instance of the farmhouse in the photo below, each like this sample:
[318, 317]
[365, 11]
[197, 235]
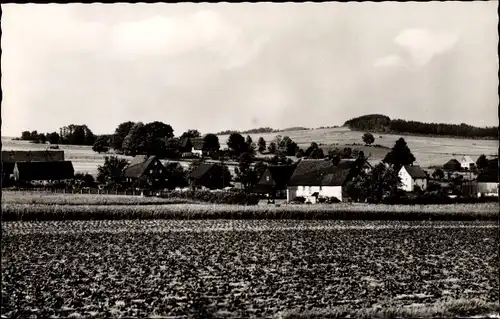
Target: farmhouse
[9, 158]
[274, 180]
[411, 176]
[314, 179]
[43, 171]
[452, 165]
[147, 168]
[467, 163]
[207, 176]
[198, 144]
[487, 182]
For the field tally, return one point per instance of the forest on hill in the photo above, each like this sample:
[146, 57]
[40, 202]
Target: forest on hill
[383, 124]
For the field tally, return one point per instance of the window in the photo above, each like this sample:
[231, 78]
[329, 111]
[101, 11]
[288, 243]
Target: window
[150, 171]
[267, 178]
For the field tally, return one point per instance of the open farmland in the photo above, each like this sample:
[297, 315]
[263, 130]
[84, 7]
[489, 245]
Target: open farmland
[429, 151]
[235, 268]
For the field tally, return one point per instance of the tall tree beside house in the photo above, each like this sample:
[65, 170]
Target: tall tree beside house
[400, 155]
[314, 151]
[136, 140]
[368, 138]
[159, 130]
[300, 153]
[482, 162]
[211, 143]
[246, 174]
[119, 135]
[382, 182]
[438, 174]
[261, 145]
[191, 133]
[236, 142]
[289, 147]
[101, 145]
[111, 174]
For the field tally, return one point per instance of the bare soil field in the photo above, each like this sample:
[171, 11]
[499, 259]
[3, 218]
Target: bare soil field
[246, 269]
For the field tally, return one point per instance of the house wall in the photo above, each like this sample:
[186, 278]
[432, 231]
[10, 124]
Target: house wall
[307, 191]
[406, 180]
[487, 189]
[198, 153]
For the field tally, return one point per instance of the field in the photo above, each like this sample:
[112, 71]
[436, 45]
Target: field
[28, 206]
[237, 268]
[429, 151]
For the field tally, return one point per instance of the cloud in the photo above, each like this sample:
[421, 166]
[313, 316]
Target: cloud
[173, 36]
[392, 60]
[424, 44]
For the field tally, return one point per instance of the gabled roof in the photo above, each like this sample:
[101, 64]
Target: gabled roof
[32, 156]
[33, 171]
[415, 171]
[138, 165]
[280, 175]
[319, 173]
[452, 164]
[185, 142]
[466, 159]
[197, 143]
[200, 171]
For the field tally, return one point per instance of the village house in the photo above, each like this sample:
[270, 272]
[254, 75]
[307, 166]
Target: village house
[43, 171]
[314, 179]
[487, 182]
[274, 180]
[467, 163]
[9, 159]
[149, 169]
[189, 146]
[198, 144]
[208, 176]
[452, 165]
[411, 176]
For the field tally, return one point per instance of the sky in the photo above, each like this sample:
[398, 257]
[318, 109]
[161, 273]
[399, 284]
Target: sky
[223, 66]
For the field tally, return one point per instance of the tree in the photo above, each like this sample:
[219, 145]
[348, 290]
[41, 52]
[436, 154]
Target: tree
[261, 145]
[482, 162]
[368, 138]
[135, 142]
[101, 145]
[272, 148]
[399, 155]
[211, 143]
[53, 138]
[314, 151]
[26, 135]
[382, 182]
[289, 146]
[245, 172]
[236, 142]
[85, 180]
[191, 133]
[41, 138]
[120, 133]
[159, 130]
[111, 173]
[438, 174]
[300, 153]
[175, 176]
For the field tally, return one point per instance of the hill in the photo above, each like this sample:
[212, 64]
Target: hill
[383, 124]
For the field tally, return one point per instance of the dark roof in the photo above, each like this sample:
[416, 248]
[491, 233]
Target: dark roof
[185, 142]
[32, 156]
[56, 170]
[280, 175]
[197, 143]
[452, 164]
[415, 171]
[138, 165]
[489, 175]
[319, 173]
[201, 170]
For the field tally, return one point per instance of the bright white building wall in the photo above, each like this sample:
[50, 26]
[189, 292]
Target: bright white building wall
[307, 191]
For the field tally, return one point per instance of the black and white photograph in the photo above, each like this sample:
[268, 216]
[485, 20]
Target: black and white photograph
[250, 160]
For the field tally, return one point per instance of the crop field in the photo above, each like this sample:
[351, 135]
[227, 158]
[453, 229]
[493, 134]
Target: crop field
[429, 151]
[247, 268]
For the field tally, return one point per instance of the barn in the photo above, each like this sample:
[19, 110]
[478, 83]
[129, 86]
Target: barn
[43, 171]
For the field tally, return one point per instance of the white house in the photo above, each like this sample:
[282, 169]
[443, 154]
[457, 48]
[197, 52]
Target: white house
[487, 183]
[197, 144]
[313, 179]
[412, 176]
[467, 163]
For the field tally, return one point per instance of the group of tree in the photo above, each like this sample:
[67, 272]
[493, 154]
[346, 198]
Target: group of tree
[382, 123]
[70, 135]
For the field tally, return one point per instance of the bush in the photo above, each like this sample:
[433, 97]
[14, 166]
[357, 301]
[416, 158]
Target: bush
[299, 199]
[331, 200]
[232, 198]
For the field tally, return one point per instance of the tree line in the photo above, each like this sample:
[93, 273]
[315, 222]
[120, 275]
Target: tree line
[383, 124]
[70, 135]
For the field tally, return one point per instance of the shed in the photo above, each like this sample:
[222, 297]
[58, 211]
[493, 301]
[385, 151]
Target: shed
[43, 171]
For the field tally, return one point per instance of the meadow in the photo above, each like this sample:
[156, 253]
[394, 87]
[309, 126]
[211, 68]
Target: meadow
[248, 269]
[429, 151]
